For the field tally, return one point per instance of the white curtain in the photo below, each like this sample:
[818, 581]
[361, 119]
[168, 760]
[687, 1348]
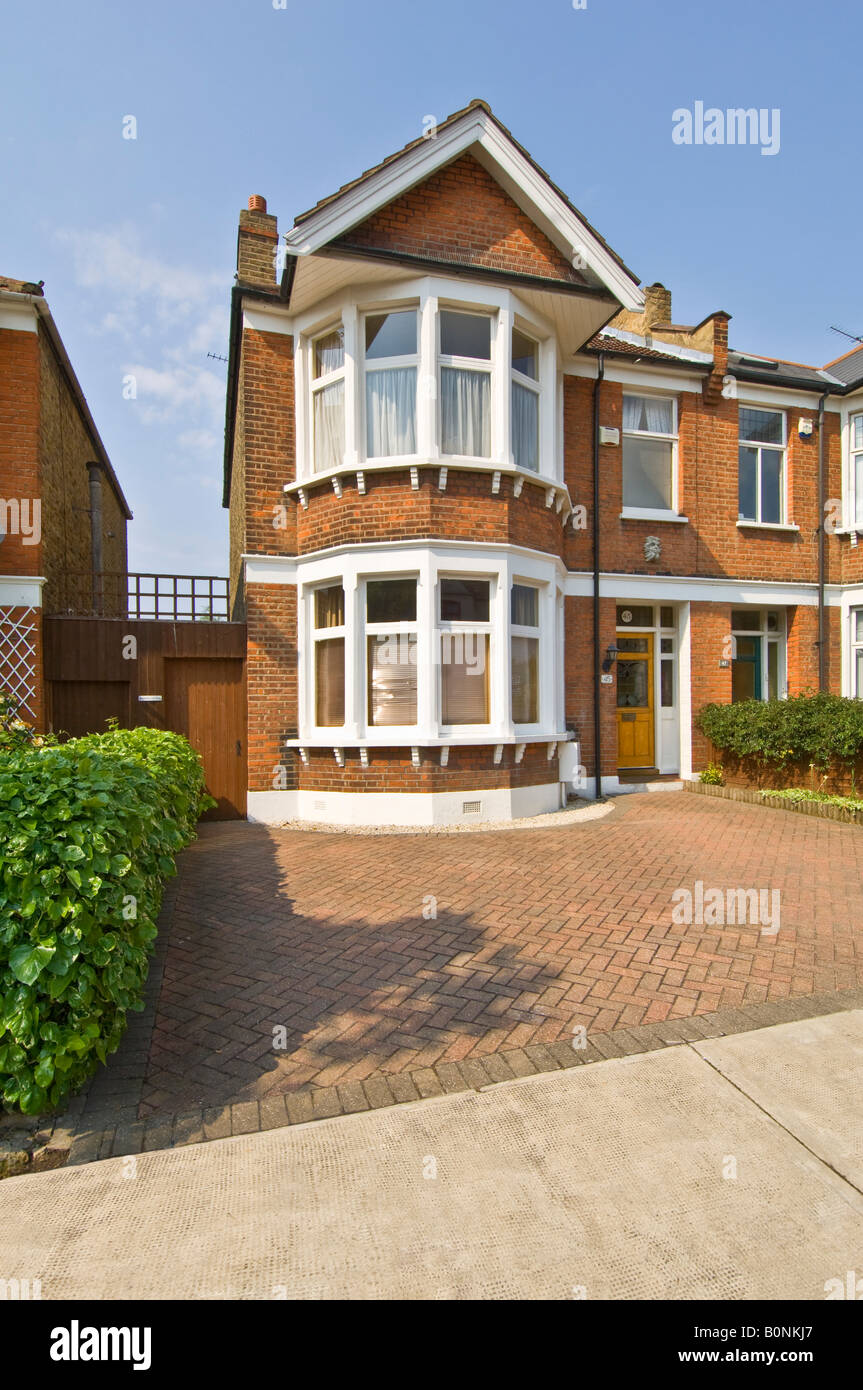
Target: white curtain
[330, 426]
[391, 398]
[648, 413]
[525, 433]
[465, 410]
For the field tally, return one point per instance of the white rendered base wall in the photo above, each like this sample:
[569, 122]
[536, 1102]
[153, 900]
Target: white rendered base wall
[402, 808]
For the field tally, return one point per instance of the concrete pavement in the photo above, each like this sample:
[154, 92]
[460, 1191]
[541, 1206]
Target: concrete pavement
[725, 1169]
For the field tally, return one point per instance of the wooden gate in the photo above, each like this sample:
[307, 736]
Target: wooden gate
[185, 676]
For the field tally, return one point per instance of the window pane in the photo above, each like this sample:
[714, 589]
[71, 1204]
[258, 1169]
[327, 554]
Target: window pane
[666, 683]
[666, 617]
[648, 413]
[392, 679]
[525, 427]
[747, 483]
[773, 670]
[391, 412]
[330, 606]
[744, 621]
[330, 426]
[638, 615]
[858, 624]
[772, 622]
[633, 644]
[465, 412]
[743, 681]
[524, 354]
[465, 335]
[771, 485]
[858, 689]
[764, 426]
[391, 601]
[858, 490]
[525, 680]
[391, 335]
[464, 678]
[646, 473]
[666, 644]
[330, 682]
[330, 352]
[857, 432]
[464, 600]
[524, 606]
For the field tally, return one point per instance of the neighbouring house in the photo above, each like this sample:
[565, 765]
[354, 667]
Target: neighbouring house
[495, 517]
[63, 515]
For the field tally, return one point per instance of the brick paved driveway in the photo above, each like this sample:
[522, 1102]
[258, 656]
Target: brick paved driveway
[330, 939]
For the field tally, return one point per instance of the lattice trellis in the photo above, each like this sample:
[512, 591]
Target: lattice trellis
[18, 657]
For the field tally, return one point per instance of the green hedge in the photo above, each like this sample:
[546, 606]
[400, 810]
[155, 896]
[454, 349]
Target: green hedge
[88, 834]
[821, 729]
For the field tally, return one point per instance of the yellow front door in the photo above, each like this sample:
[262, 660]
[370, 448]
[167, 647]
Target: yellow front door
[635, 700]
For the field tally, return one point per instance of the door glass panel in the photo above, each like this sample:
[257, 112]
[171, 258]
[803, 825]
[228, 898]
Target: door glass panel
[634, 615]
[666, 681]
[666, 645]
[632, 644]
[772, 670]
[666, 617]
[632, 685]
[741, 621]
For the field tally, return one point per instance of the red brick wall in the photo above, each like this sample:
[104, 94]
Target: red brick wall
[391, 770]
[578, 668]
[271, 674]
[19, 439]
[462, 214]
[392, 511]
[710, 628]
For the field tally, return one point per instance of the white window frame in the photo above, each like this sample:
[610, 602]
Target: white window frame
[768, 638]
[772, 448]
[522, 630]
[853, 515]
[382, 364]
[467, 628]
[653, 513]
[321, 383]
[404, 628]
[326, 634]
[855, 645]
[481, 365]
[533, 384]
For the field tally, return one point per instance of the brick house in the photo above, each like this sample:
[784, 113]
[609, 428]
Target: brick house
[63, 515]
[490, 507]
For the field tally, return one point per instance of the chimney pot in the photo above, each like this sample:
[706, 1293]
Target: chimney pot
[257, 203]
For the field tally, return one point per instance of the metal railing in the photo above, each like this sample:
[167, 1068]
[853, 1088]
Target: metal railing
[191, 598]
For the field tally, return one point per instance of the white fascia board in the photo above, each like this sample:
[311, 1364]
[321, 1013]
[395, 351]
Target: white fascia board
[549, 211]
[265, 318]
[395, 555]
[777, 397]
[20, 591]
[653, 376]
[18, 312]
[695, 588]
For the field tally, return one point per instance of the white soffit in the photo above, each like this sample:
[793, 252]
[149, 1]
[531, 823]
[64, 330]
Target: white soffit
[319, 277]
[477, 132]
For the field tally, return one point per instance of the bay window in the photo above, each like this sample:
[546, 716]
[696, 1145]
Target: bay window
[465, 383]
[391, 383]
[328, 399]
[761, 466]
[855, 473]
[857, 653]
[391, 651]
[465, 639]
[524, 653]
[329, 645]
[649, 453]
[525, 401]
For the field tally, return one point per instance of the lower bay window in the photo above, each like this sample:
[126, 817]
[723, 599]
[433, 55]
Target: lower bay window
[440, 652]
[857, 653]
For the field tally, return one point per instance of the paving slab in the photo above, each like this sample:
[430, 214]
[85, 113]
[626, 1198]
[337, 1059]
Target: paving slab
[644, 1177]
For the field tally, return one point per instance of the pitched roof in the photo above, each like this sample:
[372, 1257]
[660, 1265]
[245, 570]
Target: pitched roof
[621, 343]
[764, 370]
[849, 367]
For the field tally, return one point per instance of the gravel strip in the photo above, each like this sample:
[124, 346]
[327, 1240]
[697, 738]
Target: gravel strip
[551, 820]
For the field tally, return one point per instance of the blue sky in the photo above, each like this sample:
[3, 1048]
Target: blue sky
[135, 239]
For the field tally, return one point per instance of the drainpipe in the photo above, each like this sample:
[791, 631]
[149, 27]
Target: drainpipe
[821, 560]
[95, 473]
[597, 655]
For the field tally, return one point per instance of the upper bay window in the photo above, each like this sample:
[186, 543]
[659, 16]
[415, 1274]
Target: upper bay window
[855, 473]
[328, 399]
[465, 384]
[761, 465]
[649, 453]
[426, 380]
[391, 383]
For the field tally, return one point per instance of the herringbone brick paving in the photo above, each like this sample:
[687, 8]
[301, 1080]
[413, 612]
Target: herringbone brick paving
[332, 940]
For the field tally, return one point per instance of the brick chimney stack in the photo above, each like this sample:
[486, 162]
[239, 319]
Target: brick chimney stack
[257, 244]
[657, 306]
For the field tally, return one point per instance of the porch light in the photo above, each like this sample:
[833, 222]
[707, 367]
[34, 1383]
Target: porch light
[610, 657]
